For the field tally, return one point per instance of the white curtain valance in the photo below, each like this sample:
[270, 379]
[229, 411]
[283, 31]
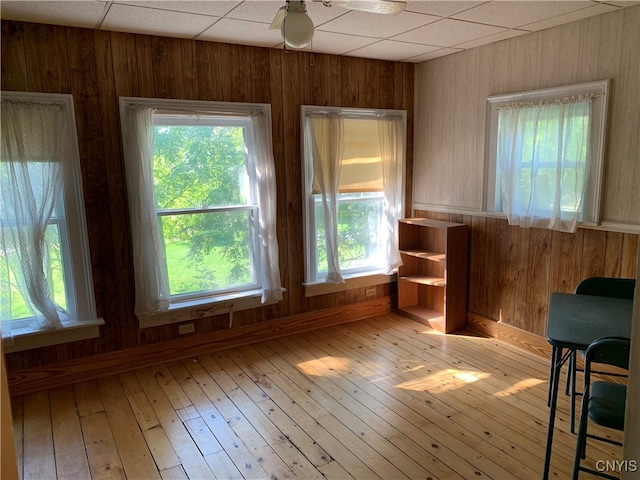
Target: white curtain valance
[541, 103]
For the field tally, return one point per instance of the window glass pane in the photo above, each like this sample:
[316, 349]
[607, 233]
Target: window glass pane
[54, 272]
[199, 166]
[203, 167]
[545, 155]
[361, 170]
[208, 251]
[359, 220]
[541, 152]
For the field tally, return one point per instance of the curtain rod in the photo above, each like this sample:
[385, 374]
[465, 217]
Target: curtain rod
[194, 113]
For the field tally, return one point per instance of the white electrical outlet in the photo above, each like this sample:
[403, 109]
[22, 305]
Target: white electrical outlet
[186, 328]
[370, 292]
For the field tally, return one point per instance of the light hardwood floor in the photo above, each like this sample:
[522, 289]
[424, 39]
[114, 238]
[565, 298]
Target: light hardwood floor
[383, 398]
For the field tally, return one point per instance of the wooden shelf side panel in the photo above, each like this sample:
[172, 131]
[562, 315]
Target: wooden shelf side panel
[456, 277]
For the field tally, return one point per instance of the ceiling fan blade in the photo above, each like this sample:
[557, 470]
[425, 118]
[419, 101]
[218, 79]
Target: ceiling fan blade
[389, 7]
[279, 18]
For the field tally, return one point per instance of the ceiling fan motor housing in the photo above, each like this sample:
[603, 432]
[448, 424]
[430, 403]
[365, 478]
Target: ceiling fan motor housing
[297, 28]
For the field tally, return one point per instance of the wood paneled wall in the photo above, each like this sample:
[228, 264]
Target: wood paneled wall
[98, 66]
[450, 111]
[513, 270]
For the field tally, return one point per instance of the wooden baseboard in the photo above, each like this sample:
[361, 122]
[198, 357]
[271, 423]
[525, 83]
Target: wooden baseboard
[520, 338]
[82, 369]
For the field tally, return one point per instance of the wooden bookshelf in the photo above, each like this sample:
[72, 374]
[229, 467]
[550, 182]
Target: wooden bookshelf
[432, 282]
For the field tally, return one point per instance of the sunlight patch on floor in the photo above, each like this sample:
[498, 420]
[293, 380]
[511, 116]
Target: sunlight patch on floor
[519, 387]
[325, 366]
[443, 381]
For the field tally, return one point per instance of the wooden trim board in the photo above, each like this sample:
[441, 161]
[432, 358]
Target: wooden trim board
[520, 338]
[64, 373]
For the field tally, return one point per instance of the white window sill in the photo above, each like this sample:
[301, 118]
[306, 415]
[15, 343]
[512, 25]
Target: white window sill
[312, 289]
[206, 307]
[27, 338]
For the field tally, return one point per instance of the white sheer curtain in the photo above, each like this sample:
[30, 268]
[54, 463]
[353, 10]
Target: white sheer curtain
[392, 145]
[149, 259]
[325, 132]
[33, 147]
[542, 154]
[265, 176]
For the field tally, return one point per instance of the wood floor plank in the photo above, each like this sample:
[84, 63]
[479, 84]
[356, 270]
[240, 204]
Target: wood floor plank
[305, 412]
[190, 457]
[387, 409]
[360, 434]
[285, 425]
[530, 396]
[478, 382]
[70, 453]
[379, 398]
[205, 440]
[156, 438]
[172, 391]
[279, 457]
[197, 385]
[334, 471]
[134, 453]
[39, 459]
[102, 453]
[174, 473]
[222, 466]
[450, 418]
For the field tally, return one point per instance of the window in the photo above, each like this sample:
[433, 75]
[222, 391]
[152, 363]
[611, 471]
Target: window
[45, 275]
[545, 155]
[202, 199]
[354, 178]
[205, 203]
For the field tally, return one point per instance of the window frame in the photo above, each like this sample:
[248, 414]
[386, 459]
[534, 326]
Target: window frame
[589, 214]
[200, 307]
[356, 277]
[78, 274]
[251, 207]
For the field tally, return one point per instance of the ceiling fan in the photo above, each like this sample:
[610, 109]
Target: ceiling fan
[297, 28]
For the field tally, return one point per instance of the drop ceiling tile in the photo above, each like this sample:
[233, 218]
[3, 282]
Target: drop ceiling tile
[390, 50]
[256, 11]
[492, 38]
[441, 8]
[86, 14]
[265, 11]
[435, 54]
[447, 33]
[228, 30]
[570, 17]
[129, 18]
[337, 43]
[512, 14]
[218, 8]
[321, 14]
[375, 25]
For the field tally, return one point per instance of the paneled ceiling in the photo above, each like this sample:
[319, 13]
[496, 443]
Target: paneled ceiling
[425, 30]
